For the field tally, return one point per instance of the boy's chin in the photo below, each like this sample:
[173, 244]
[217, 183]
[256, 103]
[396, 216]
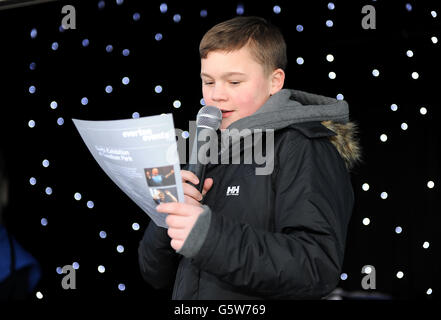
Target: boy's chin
[222, 128]
[225, 123]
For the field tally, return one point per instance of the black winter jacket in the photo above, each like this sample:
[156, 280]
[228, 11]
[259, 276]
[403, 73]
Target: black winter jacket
[277, 236]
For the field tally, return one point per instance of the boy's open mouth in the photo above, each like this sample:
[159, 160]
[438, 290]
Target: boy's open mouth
[226, 113]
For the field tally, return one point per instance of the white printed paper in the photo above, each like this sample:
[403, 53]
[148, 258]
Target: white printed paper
[140, 156]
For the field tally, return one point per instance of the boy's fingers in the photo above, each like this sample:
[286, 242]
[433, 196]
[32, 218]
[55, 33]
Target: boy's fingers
[176, 233]
[176, 208]
[189, 176]
[208, 183]
[175, 222]
[176, 244]
[191, 200]
[191, 191]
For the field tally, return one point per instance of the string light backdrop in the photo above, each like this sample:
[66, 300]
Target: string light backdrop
[129, 59]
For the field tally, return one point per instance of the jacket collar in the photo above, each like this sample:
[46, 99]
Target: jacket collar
[312, 129]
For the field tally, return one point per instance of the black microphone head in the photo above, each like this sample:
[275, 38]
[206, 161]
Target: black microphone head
[209, 117]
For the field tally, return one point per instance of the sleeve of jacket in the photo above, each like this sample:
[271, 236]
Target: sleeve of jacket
[158, 261]
[302, 258]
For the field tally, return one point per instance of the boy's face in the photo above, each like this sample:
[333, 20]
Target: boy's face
[235, 82]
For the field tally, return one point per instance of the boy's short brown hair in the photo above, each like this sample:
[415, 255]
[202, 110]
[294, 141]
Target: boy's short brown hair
[265, 41]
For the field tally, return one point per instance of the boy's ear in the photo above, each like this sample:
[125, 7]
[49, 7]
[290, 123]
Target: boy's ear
[277, 80]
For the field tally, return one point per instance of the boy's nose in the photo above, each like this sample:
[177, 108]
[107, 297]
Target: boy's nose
[218, 93]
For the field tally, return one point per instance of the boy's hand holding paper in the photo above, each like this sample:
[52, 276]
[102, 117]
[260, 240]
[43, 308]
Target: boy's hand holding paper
[182, 216]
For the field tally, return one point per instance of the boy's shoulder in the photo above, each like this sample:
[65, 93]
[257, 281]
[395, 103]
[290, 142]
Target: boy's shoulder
[304, 134]
[310, 130]
[300, 140]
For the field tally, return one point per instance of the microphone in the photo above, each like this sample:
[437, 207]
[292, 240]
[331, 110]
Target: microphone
[208, 118]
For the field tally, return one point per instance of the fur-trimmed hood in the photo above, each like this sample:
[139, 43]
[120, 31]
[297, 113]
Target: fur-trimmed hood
[345, 141]
[293, 106]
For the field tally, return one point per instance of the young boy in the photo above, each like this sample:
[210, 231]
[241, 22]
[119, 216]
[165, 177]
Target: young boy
[278, 236]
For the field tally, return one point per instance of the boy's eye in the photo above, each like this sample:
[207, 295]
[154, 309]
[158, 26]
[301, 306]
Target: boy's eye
[207, 83]
[234, 82]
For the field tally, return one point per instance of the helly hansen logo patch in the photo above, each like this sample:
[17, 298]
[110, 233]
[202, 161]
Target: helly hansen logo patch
[233, 190]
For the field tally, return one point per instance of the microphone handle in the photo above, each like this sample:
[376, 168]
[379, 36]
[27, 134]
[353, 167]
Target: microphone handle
[199, 170]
